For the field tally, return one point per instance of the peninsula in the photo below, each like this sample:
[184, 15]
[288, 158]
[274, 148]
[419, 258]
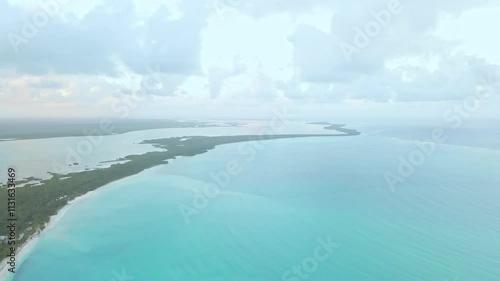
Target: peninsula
[36, 204]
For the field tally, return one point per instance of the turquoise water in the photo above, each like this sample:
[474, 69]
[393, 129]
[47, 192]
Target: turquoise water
[443, 223]
[96, 152]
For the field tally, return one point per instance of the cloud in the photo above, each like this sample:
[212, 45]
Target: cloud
[456, 78]
[46, 83]
[173, 46]
[62, 47]
[260, 51]
[322, 60]
[108, 35]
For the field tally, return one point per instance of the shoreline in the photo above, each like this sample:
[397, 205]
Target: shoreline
[173, 149]
[26, 248]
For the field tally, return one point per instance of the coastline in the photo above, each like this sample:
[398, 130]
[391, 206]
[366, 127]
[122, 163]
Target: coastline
[173, 148]
[26, 248]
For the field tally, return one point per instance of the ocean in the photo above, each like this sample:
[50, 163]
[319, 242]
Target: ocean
[290, 209]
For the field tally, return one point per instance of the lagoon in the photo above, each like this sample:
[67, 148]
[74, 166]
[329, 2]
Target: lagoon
[441, 224]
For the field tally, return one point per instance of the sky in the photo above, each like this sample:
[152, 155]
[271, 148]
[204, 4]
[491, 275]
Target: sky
[241, 59]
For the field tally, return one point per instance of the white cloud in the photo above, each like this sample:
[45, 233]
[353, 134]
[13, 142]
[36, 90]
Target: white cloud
[254, 53]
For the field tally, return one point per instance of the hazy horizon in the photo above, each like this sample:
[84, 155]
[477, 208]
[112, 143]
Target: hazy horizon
[243, 59]
[249, 140]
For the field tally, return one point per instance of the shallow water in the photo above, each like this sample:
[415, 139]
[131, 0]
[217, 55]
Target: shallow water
[39, 157]
[288, 199]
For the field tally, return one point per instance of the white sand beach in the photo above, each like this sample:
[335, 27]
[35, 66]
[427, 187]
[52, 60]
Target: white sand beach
[25, 249]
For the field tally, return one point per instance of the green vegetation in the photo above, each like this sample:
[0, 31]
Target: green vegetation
[337, 127]
[33, 129]
[36, 204]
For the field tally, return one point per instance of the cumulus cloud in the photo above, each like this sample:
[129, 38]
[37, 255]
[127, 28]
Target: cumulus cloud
[354, 54]
[109, 34]
[323, 51]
